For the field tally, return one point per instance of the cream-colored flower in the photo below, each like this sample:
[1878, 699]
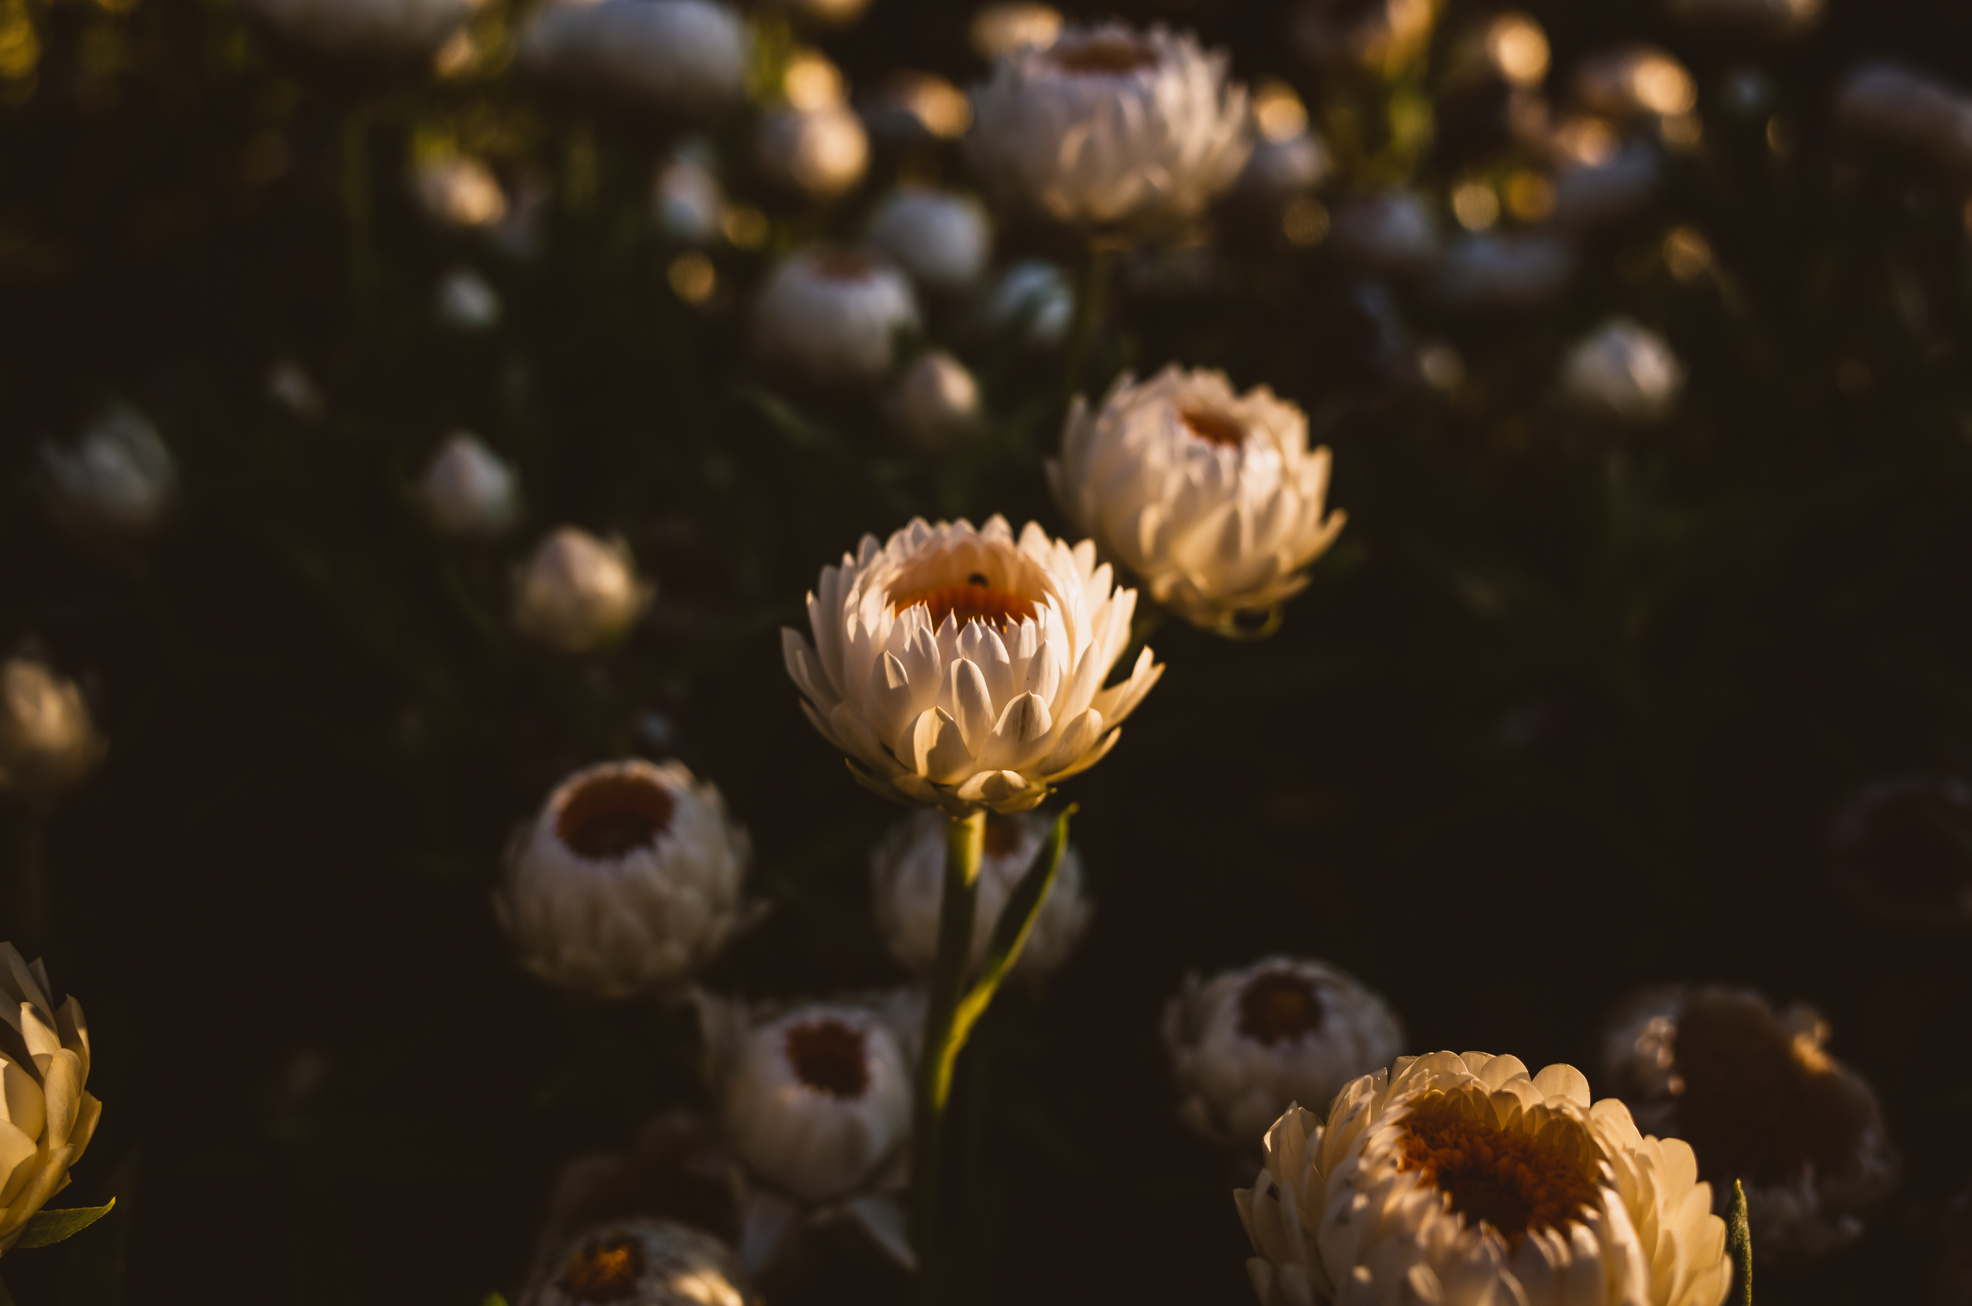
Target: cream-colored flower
[942, 240]
[468, 489]
[1888, 103]
[963, 668]
[834, 315]
[1758, 1097]
[48, 741]
[385, 30]
[907, 880]
[115, 480]
[1380, 36]
[628, 878]
[1623, 370]
[1212, 499]
[644, 1262]
[457, 190]
[466, 301]
[937, 401]
[1109, 127]
[46, 1115]
[913, 108]
[1462, 1180]
[579, 593]
[1009, 28]
[1249, 1043]
[821, 152]
[684, 58]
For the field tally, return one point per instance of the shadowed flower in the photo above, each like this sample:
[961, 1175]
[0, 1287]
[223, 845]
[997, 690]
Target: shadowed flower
[48, 741]
[46, 1116]
[684, 58]
[834, 315]
[1008, 28]
[579, 593]
[390, 31]
[820, 152]
[1033, 298]
[942, 240]
[639, 1261]
[937, 401]
[1891, 105]
[468, 490]
[116, 480]
[1623, 370]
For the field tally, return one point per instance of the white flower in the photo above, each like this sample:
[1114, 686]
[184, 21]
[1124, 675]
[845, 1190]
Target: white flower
[1377, 36]
[643, 1262]
[685, 58]
[628, 878]
[821, 152]
[834, 315]
[46, 1116]
[1505, 269]
[1393, 232]
[388, 30]
[116, 480]
[936, 401]
[1636, 81]
[1247, 1044]
[1760, 1100]
[942, 240]
[1899, 845]
[466, 301]
[458, 191]
[1623, 370]
[1461, 1180]
[290, 386]
[907, 878]
[1034, 298]
[579, 593]
[688, 201]
[911, 108]
[468, 489]
[1009, 28]
[965, 669]
[48, 741]
[1213, 500]
[1889, 103]
[1110, 127]
[1768, 17]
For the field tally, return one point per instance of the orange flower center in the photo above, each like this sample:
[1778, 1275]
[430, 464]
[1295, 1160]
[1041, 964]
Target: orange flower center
[1103, 56]
[1212, 426]
[603, 1271]
[1512, 1181]
[614, 814]
[830, 1057]
[1278, 1006]
[975, 600]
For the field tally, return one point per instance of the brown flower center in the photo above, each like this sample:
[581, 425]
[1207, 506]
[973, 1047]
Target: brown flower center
[1512, 1181]
[1212, 426]
[1278, 1006]
[1002, 834]
[830, 1057]
[607, 1270]
[842, 265]
[1102, 56]
[975, 600]
[1756, 1103]
[614, 814]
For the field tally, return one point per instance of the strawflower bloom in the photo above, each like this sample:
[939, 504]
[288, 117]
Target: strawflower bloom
[1008, 28]
[820, 152]
[579, 593]
[468, 490]
[46, 1116]
[48, 741]
[942, 240]
[458, 191]
[116, 480]
[683, 58]
[644, 1262]
[937, 401]
[834, 315]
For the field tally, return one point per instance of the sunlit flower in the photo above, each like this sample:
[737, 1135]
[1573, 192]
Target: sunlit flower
[379, 30]
[1623, 370]
[290, 386]
[1891, 104]
[1212, 499]
[1505, 269]
[116, 480]
[628, 878]
[1247, 1044]
[1760, 1100]
[937, 400]
[1373, 35]
[1009, 28]
[643, 1262]
[910, 107]
[1461, 1179]
[1111, 127]
[48, 740]
[458, 190]
[1636, 81]
[1899, 845]
[963, 668]
[1768, 17]
[466, 301]
[468, 489]
[579, 593]
[1394, 232]
[907, 880]
[686, 58]
[942, 240]
[822, 153]
[834, 315]
[46, 1115]
[1034, 299]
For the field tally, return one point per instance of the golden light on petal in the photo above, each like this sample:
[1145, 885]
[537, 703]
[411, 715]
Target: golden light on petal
[1305, 222]
[1518, 48]
[1102, 56]
[1213, 426]
[1687, 253]
[1278, 111]
[813, 82]
[1512, 1180]
[604, 1271]
[745, 226]
[613, 814]
[1529, 196]
[1587, 141]
[1476, 205]
[693, 278]
[829, 1057]
[1279, 1006]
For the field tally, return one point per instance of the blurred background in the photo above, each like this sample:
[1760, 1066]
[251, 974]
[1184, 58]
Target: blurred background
[1573, 705]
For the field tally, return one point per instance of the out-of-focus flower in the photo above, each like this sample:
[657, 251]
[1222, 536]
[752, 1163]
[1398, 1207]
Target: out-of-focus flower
[1490, 97]
[1636, 81]
[1623, 370]
[937, 400]
[1212, 499]
[47, 1117]
[290, 386]
[820, 152]
[688, 201]
[1110, 127]
[391, 31]
[907, 879]
[1600, 177]
[1372, 35]
[963, 668]
[1891, 105]
[466, 301]
[915, 108]
[116, 480]
[468, 489]
[834, 316]
[644, 1262]
[1510, 46]
[578, 593]
[458, 190]
[1488, 270]
[48, 740]
[628, 878]
[1766, 17]
[1462, 1178]
[686, 58]
[1247, 1044]
[1010, 28]
[1760, 1100]
[942, 240]
[1033, 297]
[1901, 845]
[1395, 232]
[1288, 160]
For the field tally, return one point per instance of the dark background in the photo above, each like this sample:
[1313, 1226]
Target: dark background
[1567, 711]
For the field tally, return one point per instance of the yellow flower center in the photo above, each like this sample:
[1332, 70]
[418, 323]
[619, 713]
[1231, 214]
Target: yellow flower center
[977, 599]
[1512, 1181]
[1278, 1006]
[830, 1057]
[607, 1270]
[1102, 56]
[611, 815]
[1212, 426]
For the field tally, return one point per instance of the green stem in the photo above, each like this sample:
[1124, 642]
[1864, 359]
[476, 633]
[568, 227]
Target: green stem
[1090, 303]
[1739, 1246]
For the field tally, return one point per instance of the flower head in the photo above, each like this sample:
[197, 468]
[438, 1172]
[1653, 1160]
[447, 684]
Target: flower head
[1463, 1179]
[116, 480]
[48, 741]
[963, 668]
[820, 151]
[46, 1116]
[467, 301]
[834, 315]
[458, 191]
[1248, 1043]
[684, 58]
[1623, 370]
[942, 240]
[1908, 111]
[687, 199]
[640, 1261]
[1212, 499]
[468, 489]
[1110, 127]
[1032, 298]
[937, 400]
[579, 593]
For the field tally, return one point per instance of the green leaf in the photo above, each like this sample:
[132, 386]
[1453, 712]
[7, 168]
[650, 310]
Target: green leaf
[1739, 1246]
[46, 1227]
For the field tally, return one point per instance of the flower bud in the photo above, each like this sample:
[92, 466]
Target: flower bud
[639, 1261]
[941, 240]
[937, 401]
[1394, 233]
[1623, 370]
[468, 490]
[48, 741]
[290, 386]
[458, 191]
[821, 153]
[579, 593]
[46, 1116]
[466, 301]
[834, 315]
[1888, 104]
[683, 58]
[911, 108]
[687, 200]
[116, 480]
[1033, 299]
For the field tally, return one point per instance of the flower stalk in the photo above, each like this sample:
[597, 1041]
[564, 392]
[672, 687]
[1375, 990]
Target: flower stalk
[1739, 1246]
[1091, 301]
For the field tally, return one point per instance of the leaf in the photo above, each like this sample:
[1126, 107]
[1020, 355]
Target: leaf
[46, 1227]
[1739, 1246]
